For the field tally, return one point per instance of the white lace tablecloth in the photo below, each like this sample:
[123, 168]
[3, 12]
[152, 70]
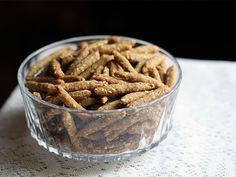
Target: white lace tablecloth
[201, 143]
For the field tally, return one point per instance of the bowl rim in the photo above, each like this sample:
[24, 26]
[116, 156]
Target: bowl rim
[21, 80]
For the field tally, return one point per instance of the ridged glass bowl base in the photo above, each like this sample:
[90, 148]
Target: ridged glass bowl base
[97, 158]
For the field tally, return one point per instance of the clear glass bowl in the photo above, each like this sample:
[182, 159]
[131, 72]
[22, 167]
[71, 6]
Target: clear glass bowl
[118, 134]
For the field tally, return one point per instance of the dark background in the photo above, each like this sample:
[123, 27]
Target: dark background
[202, 30]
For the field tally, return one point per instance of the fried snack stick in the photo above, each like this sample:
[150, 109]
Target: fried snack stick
[99, 124]
[98, 70]
[132, 96]
[148, 134]
[43, 62]
[96, 136]
[137, 77]
[47, 79]
[170, 78]
[83, 85]
[89, 101]
[104, 99]
[123, 62]
[55, 128]
[119, 89]
[40, 106]
[123, 143]
[113, 39]
[106, 71]
[67, 99]
[70, 78]
[96, 40]
[40, 87]
[71, 129]
[111, 105]
[141, 127]
[53, 99]
[80, 46]
[81, 94]
[130, 143]
[136, 57]
[117, 128]
[119, 68]
[67, 56]
[157, 114]
[77, 95]
[80, 55]
[109, 79]
[135, 128]
[149, 97]
[163, 65]
[104, 59]
[114, 67]
[139, 66]
[153, 62]
[93, 46]
[95, 106]
[85, 63]
[162, 72]
[37, 94]
[55, 68]
[119, 46]
[153, 72]
[50, 114]
[147, 49]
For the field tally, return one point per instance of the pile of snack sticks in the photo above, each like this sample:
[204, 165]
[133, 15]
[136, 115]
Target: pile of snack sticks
[102, 74]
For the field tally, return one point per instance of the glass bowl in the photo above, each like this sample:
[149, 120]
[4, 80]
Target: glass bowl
[111, 134]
